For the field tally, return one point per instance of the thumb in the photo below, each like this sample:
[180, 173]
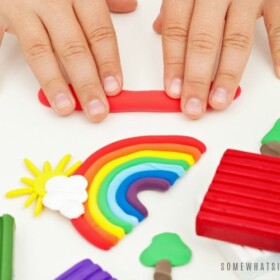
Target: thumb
[122, 6]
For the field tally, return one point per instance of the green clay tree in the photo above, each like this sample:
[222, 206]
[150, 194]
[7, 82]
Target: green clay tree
[165, 251]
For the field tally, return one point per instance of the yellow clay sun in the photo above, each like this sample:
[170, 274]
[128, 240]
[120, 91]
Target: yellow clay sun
[36, 186]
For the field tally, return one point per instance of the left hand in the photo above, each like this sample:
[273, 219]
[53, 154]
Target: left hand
[198, 33]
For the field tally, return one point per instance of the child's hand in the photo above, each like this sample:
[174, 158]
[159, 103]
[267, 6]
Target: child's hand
[193, 32]
[77, 34]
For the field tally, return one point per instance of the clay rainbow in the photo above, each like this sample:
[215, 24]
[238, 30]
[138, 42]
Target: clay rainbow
[119, 171]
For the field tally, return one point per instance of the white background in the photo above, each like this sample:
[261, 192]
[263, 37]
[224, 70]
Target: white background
[48, 245]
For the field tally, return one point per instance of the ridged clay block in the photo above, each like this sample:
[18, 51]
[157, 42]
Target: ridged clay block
[236, 253]
[242, 204]
[85, 270]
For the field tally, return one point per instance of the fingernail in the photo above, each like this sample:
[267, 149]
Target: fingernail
[175, 87]
[62, 100]
[194, 106]
[219, 95]
[95, 107]
[111, 84]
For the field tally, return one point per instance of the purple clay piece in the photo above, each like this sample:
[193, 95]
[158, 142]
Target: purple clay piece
[85, 270]
[145, 184]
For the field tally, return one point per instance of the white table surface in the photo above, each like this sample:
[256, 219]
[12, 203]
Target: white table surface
[48, 245]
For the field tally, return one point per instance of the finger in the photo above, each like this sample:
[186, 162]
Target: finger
[73, 51]
[2, 32]
[203, 45]
[236, 48]
[272, 22]
[176, 15]
[3, 28]
[157, 25]
[39, 54]
[95, 20]
[122, 6]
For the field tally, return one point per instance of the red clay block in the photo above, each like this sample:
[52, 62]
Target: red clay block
[242, 204]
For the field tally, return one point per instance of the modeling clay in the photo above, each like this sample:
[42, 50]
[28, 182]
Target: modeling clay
[274, 134]
[242, 204]
[246, 255]
[271, 148]
[114, 175]
[85, 270]
[163, 270]
[7, 227]
[135, 101]
[271, 141]
[126, 195]
[134, 167]
[66, 195]
[109, 170]
[254, 259]
[166, 250]
[37, 186]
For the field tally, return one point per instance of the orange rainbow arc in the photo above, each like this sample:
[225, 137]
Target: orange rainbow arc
[118, 171]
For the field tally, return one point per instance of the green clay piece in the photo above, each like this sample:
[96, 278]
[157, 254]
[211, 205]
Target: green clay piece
[7, 226]
[274, 134]
[166, 246]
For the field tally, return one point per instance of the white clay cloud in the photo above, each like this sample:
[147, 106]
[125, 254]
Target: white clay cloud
[66, 195]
